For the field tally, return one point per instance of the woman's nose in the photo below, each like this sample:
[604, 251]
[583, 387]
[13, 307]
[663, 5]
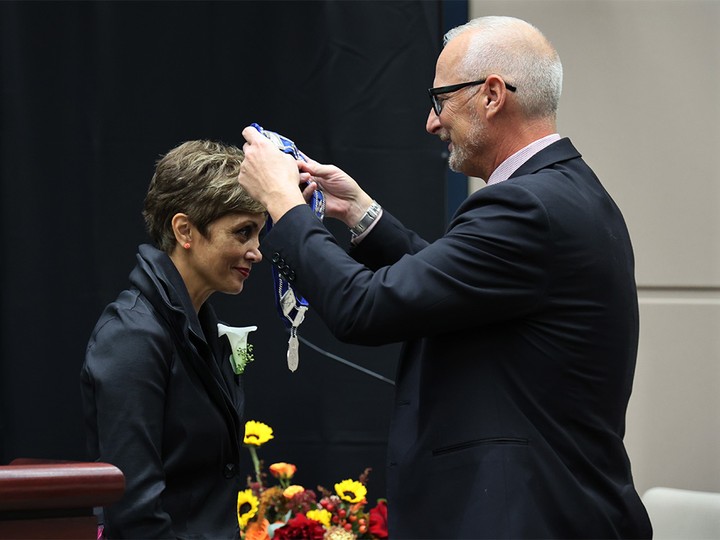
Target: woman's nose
[254, 254]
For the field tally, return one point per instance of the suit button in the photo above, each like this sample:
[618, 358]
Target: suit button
[291, 275]
[275, 257]
[229, 471]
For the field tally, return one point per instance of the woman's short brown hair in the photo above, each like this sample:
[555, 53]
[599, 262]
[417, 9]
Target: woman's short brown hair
[197, 178]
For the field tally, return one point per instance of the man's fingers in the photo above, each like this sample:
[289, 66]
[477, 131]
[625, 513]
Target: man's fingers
[309, 190]
[250, 134]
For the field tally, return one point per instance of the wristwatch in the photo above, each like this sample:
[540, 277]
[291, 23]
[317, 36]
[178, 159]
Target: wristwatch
[370, 215]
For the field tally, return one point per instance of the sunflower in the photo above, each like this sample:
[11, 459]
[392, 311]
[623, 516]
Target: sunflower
[247, 507]
[321, 515]
[257, 433]
[351, 491]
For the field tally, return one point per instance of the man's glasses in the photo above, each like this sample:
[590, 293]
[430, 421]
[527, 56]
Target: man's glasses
[437, 104]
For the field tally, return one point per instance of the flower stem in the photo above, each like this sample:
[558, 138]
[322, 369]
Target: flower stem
[256, 465]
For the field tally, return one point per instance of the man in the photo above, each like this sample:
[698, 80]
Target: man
[520, 324]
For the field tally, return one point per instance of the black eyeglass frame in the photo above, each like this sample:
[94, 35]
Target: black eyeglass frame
[434, 92]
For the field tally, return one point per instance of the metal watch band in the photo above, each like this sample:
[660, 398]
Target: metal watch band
[370, 215]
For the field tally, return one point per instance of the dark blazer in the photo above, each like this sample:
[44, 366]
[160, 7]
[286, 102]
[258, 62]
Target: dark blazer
[520, 330]
[162, 404]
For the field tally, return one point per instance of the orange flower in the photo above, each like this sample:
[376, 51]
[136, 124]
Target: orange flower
[291, 491]
[283, 470]
[257, 530]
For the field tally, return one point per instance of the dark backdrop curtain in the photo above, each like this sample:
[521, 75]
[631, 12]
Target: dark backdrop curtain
[94, 92]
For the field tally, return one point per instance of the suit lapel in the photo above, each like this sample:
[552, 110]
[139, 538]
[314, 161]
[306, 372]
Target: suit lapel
[199, 356]
[161, 284]
[195, 353]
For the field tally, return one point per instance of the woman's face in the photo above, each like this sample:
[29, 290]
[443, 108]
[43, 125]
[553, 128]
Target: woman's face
[221, 260]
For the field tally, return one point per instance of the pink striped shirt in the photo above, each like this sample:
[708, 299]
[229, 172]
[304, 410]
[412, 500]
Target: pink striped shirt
[513, 163]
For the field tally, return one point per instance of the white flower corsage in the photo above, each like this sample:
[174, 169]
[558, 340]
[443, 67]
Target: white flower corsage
[242, 353]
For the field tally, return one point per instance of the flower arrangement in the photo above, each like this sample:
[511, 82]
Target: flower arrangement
[288, 511]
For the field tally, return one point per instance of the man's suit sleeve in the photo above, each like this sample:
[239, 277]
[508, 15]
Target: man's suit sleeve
[388, 241]
[490, 265]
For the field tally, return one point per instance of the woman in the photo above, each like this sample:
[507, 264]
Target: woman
[162, 400]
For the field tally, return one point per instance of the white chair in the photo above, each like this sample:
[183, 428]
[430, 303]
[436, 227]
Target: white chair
[681, 514]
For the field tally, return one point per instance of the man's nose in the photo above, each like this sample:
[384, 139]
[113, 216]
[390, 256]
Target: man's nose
[433, 122]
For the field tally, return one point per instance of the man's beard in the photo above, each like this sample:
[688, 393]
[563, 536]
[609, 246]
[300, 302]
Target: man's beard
[460, 156]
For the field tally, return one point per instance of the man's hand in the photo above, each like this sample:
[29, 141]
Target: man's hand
[344, 199]
[269, 175]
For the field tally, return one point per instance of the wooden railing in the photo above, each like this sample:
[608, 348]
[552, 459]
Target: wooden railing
[51, 499]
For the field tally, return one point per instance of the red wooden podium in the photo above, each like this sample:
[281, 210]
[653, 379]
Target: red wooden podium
[55, 500]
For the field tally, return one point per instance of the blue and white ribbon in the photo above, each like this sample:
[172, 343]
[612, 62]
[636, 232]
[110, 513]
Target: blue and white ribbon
[291, 306]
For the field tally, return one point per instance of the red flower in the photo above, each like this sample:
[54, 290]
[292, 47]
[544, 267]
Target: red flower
[378, 520]
[300, 528]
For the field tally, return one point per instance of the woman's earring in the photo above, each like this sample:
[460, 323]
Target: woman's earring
[186, 245]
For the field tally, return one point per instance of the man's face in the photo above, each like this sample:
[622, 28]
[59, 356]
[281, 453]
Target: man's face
[459, 124]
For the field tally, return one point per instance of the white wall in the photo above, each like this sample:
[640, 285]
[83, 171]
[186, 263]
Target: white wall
[641, 101]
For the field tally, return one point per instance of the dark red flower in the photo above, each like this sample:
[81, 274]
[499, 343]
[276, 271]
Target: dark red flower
[379, 520]
[300, 528]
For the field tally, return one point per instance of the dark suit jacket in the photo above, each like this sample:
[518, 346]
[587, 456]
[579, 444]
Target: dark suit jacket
[162, 404]
[520, 327]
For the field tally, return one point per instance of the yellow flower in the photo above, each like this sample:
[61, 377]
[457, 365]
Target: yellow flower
[291, 491]
[321, 515]
[247, 507]
[351, 491]
[257, 433]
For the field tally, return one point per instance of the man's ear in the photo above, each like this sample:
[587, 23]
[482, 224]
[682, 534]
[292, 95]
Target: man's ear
[495, 94]
[182, 228]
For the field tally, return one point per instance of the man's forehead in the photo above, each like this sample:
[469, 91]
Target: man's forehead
[449, 59]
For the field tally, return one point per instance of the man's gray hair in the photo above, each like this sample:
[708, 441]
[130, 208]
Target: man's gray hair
[520, 54]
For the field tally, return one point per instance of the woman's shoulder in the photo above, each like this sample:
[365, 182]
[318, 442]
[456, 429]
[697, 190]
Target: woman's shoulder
[128, 311]
[130, 328]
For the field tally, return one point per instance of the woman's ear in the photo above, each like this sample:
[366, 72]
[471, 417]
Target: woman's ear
[182, 228]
